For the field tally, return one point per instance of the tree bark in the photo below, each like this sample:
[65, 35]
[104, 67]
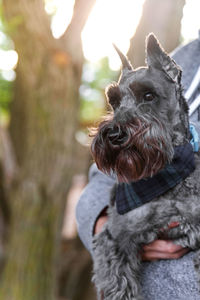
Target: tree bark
[163, 18]
[43, 123]
[79, 286]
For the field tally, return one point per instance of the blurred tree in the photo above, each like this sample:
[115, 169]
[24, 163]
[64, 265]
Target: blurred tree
[43, 123]
[95, 77]
[92, 90]
[6, 77]
[5, 97]
[164, 19]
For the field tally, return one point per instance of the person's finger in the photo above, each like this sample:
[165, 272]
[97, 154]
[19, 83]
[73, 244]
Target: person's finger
[173, 225]
[166, 246]
[163, 233]
[99, 224]
[152, 255]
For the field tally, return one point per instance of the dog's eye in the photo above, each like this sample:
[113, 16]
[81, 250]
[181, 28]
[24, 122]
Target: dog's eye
[148, 96]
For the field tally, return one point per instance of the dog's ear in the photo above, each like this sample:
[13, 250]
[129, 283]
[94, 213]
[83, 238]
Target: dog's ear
[113, 95]
[156, 57]
[125, 62]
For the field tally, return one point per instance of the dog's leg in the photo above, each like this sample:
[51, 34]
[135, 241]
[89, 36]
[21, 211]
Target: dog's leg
[186, 235]
[115, 274]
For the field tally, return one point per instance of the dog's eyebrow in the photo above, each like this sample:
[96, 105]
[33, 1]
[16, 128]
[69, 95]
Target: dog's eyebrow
[141, 86]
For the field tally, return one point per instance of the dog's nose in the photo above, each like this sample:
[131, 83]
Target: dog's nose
[117, 136]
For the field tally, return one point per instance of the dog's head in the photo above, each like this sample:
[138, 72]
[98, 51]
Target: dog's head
[149, 118]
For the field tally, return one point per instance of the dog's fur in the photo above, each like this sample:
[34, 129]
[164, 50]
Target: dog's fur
[150, 118]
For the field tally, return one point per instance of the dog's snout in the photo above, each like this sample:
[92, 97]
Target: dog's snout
[117, 136]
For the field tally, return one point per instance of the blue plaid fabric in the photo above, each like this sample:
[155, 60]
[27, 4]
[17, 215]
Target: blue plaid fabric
[134, 194]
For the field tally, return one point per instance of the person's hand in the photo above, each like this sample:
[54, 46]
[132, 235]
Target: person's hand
[102, 219]
[162, 249]
[158, 249]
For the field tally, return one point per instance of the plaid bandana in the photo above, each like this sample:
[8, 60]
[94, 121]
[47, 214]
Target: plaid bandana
[134, 194]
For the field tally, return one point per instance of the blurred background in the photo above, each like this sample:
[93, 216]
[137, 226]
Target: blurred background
[56, 58]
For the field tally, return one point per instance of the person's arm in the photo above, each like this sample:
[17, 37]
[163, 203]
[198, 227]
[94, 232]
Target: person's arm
[91, 216]
[158, 249]
[93, 201]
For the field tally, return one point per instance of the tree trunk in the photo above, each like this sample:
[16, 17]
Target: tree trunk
[43, 123]
[75, 284]
[162, 18]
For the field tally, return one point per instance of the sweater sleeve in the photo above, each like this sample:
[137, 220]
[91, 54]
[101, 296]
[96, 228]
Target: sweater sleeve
[94, 198]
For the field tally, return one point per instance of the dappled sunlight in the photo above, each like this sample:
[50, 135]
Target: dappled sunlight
[190, 22]
[114, 22]
[63, 16]
[110, 22]
[8, 59]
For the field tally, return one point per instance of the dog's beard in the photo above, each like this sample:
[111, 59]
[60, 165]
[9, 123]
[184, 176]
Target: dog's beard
[134, 150]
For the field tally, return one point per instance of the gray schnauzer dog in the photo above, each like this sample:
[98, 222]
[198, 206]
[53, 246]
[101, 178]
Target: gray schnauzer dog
[138, 140]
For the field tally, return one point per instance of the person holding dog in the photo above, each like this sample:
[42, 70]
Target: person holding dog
[168, 268]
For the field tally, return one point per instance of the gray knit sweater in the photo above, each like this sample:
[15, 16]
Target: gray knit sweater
[163, 279]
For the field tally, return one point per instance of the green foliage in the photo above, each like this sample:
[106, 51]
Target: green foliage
[5, 98]
[12, 26]
[94, 80]
[6, 84]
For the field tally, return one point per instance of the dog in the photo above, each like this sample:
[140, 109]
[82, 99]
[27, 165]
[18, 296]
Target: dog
[144, 137]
